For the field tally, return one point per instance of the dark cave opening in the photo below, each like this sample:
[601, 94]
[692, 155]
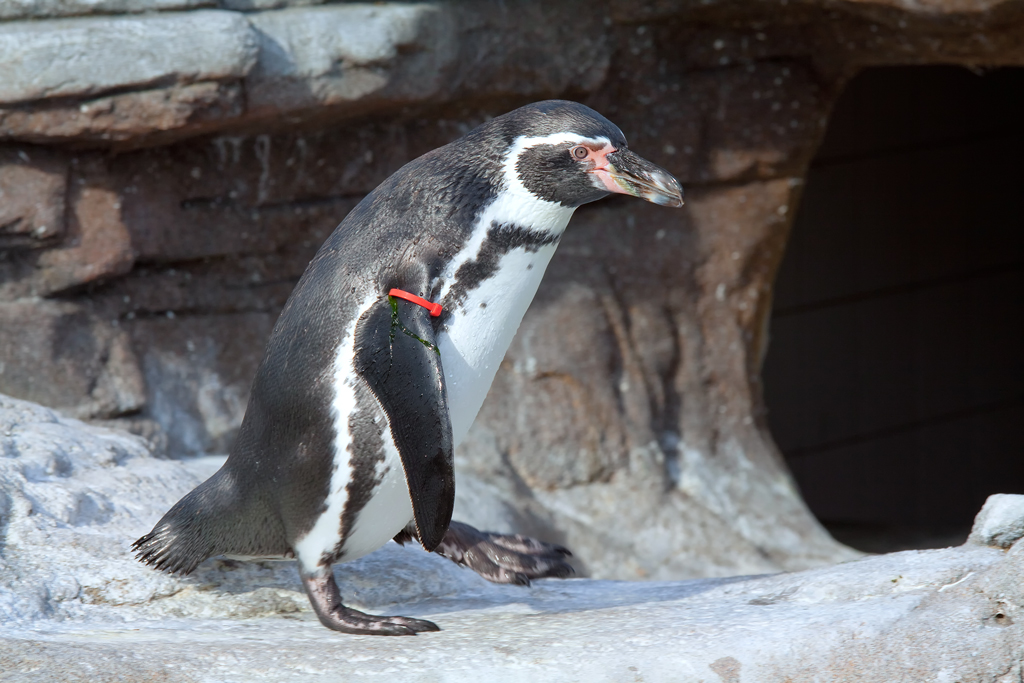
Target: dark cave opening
[894, 377]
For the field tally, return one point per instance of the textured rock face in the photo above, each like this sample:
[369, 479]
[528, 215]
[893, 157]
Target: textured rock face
[74, 605]
[59, 354]
[31, 199]
[77, 58]
[97, 80]
[999, 524]
[158, 208]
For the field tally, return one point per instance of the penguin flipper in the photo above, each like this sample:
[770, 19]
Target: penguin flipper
[398, 358]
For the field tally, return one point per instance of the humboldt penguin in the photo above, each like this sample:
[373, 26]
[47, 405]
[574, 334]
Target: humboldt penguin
[383, 355]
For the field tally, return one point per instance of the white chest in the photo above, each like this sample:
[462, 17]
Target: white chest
[479, 333]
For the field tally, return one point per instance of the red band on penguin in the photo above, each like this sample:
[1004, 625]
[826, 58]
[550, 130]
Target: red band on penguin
[435, 309]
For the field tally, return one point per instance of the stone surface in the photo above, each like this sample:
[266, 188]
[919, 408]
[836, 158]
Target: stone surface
[60, 354]
[340, 61]
[82, 57]
[197, 372]
[325, 56]
[31, 198]
[308, 64]
[76, 606]
[135, 116]
[1000, 523]
[97, 243]
[18, 9]
[94, 242]
[299, 64]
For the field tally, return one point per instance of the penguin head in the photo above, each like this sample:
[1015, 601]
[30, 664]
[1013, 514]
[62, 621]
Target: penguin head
[567, 153]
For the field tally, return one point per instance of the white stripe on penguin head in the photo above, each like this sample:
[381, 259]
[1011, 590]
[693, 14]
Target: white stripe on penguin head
[516, 205]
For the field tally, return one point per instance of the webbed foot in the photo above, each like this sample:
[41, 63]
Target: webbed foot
[504, 558]
[325, 596]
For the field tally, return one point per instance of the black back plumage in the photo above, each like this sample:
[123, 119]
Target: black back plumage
[403, 234]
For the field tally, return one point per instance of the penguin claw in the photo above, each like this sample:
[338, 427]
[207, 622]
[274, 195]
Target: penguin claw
[325, 596]
[348, 620]
[515, 578]
[525, 544]
[502, 558]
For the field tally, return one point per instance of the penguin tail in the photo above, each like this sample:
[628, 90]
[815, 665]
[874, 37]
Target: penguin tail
[185, 536]
[166, 549]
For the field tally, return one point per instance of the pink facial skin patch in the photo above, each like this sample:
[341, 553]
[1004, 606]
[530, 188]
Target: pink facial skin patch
[599, 157]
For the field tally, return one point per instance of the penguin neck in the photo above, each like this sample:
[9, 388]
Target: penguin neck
[515, 218]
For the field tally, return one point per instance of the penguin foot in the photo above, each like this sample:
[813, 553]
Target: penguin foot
[504, 558]
[325, 597]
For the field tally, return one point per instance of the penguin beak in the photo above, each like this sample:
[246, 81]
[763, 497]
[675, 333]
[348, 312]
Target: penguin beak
[626, 173]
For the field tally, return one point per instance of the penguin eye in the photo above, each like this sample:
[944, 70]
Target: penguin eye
[579, 152]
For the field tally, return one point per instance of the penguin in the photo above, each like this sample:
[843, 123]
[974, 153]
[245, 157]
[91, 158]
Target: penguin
[384, 352]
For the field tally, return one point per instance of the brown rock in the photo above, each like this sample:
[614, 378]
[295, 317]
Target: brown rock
[743, 231]
[97, 244]
[61, 355]
[32, 189]
[137, 116]
[734, 123]
[564, 423]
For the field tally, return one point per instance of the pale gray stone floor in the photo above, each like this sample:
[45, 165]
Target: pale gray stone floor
[75, 606]
[883, 618]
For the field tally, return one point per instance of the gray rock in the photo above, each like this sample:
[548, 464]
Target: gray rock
[312, 64]
[250, 5]
[73, 497]
[347, 59]
[139, 116]
[198, 372]
[24, 9]
[1000, 523]
[82, 57]
[331, 55]
[74, 604]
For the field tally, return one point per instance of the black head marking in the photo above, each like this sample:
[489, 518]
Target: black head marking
[550, 172]
[545, 134]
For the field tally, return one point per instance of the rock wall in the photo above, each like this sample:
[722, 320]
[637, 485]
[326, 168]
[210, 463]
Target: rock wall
[166, 175]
